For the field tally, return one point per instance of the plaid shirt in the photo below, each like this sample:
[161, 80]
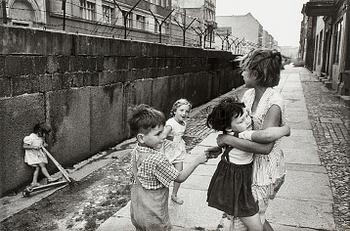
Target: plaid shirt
[155, 170]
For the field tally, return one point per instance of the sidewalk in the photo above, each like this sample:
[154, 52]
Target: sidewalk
[304, 202]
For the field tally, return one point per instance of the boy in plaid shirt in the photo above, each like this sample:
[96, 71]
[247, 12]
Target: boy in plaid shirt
[152, 172]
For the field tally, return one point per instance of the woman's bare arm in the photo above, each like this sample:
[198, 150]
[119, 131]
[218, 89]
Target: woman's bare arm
[272, 119]
[267, 135]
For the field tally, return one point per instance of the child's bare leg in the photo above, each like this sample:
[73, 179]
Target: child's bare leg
[35, 175]
[179, 166]
[253, 223]
[45, 172]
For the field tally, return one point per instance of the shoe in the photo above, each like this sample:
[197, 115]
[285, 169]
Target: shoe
[32, 185]
[177, 200]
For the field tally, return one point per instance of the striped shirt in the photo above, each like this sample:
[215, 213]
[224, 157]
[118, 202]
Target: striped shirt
[154, 170]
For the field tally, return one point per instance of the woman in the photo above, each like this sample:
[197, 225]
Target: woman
[261, 72]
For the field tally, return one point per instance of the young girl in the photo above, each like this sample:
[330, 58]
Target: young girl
[34, 155]
[261, 73]
[152, 172]
[174, 130]
[234, 194]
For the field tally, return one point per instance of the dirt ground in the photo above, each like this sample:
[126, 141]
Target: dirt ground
[82, 205]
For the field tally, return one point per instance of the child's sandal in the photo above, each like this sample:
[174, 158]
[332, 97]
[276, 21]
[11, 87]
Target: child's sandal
[177, 200]
[34, 185]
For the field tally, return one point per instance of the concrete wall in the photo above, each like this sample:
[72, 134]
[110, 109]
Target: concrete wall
[84, 87]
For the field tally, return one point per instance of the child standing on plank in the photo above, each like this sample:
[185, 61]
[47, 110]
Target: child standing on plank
[34, 155]
[152, 172]
[174, 130]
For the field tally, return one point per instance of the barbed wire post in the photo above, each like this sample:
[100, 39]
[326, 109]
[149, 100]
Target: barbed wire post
[200, 33]
[64, 13]
[161, 24]
[210, 28]
[184, 27]
[126, 14]
[231, 43]
[222, 41]
[4, 13]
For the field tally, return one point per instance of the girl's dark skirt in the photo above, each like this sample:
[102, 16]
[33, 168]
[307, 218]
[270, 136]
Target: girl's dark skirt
[230, 189]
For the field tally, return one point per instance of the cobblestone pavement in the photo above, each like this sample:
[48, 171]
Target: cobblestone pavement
[330, 120]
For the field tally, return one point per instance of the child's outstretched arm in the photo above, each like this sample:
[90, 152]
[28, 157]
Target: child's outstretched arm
[167, 130]
[186, 172]
[267, 135]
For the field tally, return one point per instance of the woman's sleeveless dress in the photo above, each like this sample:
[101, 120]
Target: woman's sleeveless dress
[268, 170]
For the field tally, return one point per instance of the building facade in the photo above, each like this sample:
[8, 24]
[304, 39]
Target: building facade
[246, 33]
[200, 15]
[145, 20]
[325, 42]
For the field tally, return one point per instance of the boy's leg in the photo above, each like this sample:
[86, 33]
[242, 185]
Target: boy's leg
[253, 223]
[179, 167]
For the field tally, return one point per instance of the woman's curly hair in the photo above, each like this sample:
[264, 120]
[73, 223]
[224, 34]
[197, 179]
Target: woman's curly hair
[265, 64]
[221, 116]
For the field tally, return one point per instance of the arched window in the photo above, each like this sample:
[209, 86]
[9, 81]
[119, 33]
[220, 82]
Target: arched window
[22, 13]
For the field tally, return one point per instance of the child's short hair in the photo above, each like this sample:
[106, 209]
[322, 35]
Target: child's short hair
[266, 64]
[178, 103]
[221, 116]
[144, 118]
[41, 127]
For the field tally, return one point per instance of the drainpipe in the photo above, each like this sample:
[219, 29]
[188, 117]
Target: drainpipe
[4, 13]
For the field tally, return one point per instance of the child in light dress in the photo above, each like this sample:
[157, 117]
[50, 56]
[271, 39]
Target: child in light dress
[34, 155]
[174, 130]
[152, 172]
[236, 198]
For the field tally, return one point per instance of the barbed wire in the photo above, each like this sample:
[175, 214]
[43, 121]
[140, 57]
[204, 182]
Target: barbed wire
[172, 32]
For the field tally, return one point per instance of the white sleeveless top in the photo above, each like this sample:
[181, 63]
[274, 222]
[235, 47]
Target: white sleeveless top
[266, 168]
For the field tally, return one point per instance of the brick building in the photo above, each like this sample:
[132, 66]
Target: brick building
[325, 42]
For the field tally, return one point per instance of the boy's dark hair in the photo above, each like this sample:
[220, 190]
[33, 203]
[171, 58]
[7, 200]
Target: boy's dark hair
[221, 116]
[266, 64]
[144, 118]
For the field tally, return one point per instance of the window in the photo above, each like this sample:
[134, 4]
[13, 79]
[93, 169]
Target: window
[108, 13]
[156, 26]
[337, 34]
[140, 22]
[87, 10]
